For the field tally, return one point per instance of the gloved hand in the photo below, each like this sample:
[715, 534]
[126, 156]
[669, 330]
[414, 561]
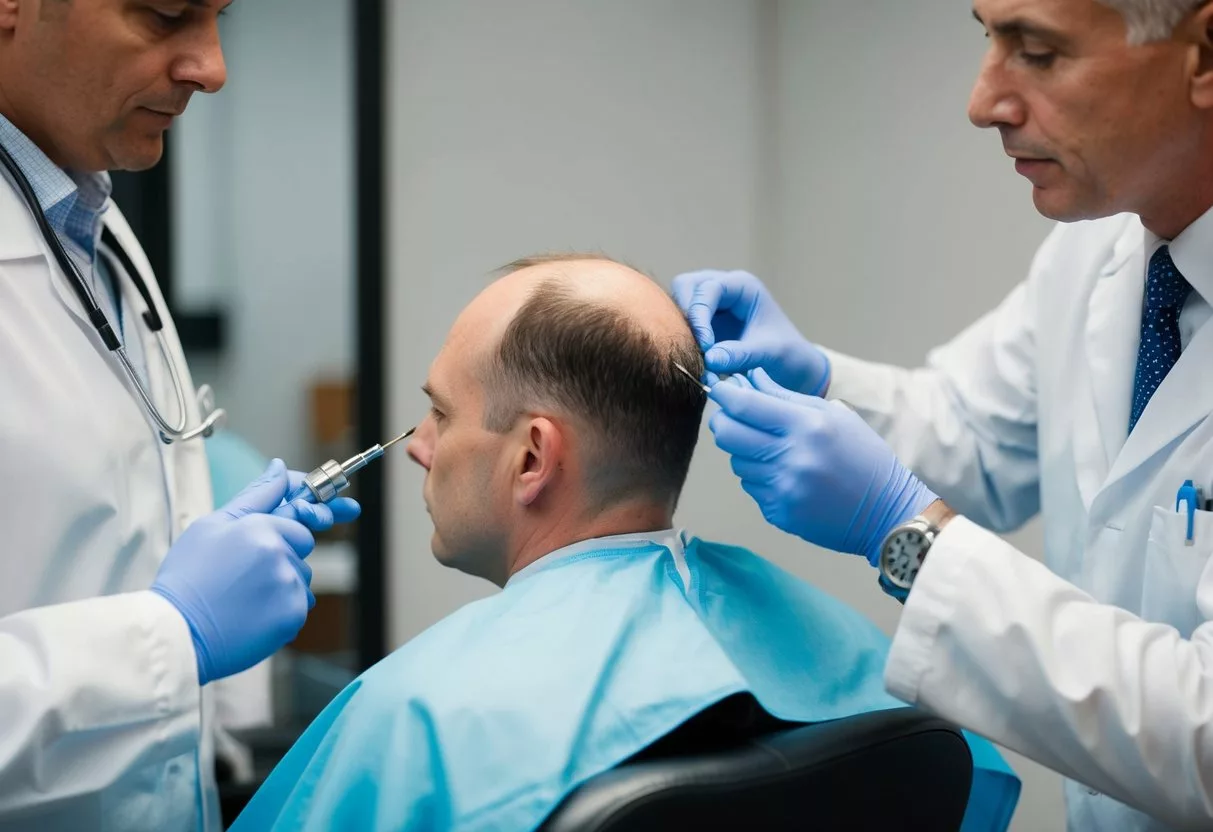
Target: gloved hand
[317, 517]
[238, 577]
[814, 467]
[740, 327]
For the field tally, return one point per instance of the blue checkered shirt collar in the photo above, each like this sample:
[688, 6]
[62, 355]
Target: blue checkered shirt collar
[73, 202]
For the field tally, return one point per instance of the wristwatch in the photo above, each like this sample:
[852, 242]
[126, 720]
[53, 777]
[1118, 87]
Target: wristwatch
[902, 555]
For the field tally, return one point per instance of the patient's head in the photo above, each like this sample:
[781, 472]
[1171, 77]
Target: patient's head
[558, 414]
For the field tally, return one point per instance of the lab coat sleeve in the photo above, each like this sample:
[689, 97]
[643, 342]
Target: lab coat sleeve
[242, 700]
[966, 422]
[89, 691]
[1122, 705]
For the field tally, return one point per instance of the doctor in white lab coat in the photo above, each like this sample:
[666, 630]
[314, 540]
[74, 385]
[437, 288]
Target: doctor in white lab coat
[123, 597]
[1085, 396]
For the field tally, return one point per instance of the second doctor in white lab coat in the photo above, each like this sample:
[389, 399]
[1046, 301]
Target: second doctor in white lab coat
[124, 599]
[1086, 396]
[121, 665]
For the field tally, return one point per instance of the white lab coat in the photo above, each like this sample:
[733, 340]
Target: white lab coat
[102, 723]
[1101, 668]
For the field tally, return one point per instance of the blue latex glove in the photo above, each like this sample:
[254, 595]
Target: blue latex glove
[740, 327]
[317, 517]
[814, 467]
[238, 577]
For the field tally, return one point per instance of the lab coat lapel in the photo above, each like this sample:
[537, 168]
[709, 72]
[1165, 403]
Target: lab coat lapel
[1111, 340]
[25, 241]
[21, 238]
[1184, 398]
[183, 461]
[157, 379]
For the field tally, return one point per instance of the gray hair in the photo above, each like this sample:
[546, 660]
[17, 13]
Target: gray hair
[1151, 20]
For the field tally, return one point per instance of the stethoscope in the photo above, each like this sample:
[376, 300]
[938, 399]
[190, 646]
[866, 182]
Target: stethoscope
[211, 418]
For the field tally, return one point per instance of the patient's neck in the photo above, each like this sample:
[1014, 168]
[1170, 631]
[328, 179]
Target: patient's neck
[573, 526]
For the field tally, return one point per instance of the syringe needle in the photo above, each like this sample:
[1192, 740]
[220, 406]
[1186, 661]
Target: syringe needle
[404, 435]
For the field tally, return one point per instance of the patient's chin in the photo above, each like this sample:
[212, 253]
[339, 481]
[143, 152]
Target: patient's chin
[438, 549]
[468, 561]
[443, 553]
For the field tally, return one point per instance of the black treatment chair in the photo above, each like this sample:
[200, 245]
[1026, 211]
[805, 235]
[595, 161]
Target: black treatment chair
[734, 767]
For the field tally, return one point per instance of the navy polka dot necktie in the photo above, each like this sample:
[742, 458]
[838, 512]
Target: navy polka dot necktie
[1166, 291]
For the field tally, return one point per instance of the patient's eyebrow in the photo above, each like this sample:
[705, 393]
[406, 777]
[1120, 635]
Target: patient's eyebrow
[436, 398]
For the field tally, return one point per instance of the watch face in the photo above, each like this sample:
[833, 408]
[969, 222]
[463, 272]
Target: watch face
[902, 556]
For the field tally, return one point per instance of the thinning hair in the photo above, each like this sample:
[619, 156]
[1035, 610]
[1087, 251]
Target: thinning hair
[1152, 20]
[586, 359]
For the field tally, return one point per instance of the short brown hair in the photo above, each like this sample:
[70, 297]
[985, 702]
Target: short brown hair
[591, 361]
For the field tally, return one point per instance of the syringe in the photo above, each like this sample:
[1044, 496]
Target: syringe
[333, 477]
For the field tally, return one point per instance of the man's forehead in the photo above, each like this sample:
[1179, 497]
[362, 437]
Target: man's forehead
[1067, 24]
[479, 326]
[1044, 12]
[453, 371]
[439, 385]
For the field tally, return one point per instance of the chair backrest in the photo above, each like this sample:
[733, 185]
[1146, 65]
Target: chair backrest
[887, 770]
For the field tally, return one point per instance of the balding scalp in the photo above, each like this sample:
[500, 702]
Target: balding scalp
[586, 358]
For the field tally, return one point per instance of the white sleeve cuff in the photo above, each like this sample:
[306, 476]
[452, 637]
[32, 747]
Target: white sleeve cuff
[932, 601]
[107, 661]
[174, 665]
[865, 385]
[93, 693]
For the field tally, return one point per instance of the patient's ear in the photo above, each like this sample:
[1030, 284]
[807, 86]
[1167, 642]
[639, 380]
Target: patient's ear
[541, 460]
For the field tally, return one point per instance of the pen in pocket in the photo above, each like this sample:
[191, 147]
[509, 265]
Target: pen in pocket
[1193, 497]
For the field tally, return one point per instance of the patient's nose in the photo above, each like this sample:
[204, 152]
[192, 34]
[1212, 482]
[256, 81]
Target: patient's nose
[421, 445]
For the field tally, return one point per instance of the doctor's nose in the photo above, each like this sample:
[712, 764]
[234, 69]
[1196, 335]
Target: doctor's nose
[993, 103]
[201, 64]
[421, 445]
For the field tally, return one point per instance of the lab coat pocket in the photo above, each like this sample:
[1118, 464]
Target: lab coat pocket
[1173, 568]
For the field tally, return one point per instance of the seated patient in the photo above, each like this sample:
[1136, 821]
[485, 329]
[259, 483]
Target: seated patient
[558, 443]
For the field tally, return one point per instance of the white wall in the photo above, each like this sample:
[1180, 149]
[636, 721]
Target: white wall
[263, 204]
[628, 126]
[821, 144]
